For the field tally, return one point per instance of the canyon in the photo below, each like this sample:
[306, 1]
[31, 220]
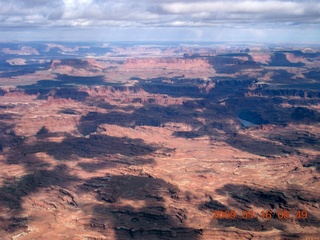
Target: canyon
[145, 142]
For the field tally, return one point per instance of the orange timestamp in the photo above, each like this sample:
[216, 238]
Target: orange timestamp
[268, 214]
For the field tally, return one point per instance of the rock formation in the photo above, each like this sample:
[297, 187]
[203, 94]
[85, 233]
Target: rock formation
[153, 148]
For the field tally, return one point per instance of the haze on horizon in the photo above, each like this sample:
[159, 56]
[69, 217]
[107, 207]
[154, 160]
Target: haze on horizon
[266, 21]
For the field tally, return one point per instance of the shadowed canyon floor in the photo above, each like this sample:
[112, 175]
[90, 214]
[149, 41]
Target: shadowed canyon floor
[124, 147]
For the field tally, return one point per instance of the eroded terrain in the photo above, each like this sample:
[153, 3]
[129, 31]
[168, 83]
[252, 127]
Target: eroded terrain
[146, 142]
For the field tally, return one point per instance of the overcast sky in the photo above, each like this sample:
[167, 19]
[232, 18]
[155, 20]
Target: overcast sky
[163, 20]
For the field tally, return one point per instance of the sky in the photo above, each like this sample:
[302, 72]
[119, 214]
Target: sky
[265, 21]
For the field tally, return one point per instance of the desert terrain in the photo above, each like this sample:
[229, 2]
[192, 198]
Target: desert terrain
[159, 141]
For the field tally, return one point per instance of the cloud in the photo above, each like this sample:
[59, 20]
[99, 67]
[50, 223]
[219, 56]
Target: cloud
[236, 14]
[233, 12]
[235, 7]
[124, 13]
